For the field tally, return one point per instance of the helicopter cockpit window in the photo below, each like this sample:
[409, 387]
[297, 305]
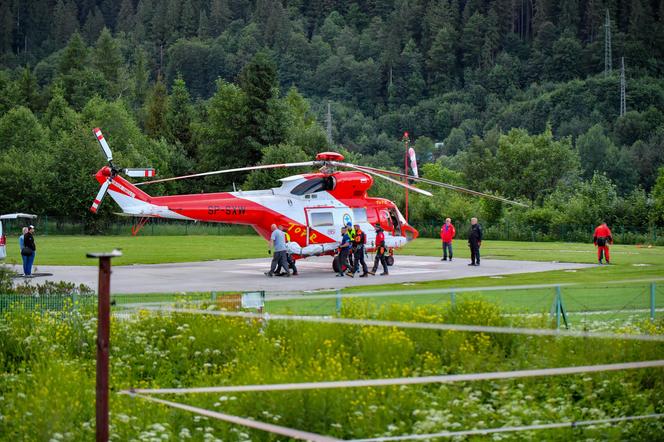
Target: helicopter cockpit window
[360, 215]
[314, 185]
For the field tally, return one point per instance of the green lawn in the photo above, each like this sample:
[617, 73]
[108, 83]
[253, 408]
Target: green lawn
[71, 250]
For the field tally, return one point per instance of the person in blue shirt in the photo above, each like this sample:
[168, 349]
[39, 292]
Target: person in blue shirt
[279, 257]
[21, 244]
[344, 249]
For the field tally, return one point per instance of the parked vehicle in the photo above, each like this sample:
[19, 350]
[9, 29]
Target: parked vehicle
[3, 237]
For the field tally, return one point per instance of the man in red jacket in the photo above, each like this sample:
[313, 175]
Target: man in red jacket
[447, 233]
[602, 238]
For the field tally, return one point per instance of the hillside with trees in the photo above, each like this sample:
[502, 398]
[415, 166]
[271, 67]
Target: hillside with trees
[516, 98]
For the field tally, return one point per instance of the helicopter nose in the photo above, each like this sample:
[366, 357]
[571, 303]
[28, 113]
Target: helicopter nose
[410, 232]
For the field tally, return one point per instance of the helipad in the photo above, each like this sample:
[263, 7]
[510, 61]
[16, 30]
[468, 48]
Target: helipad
[314, 274]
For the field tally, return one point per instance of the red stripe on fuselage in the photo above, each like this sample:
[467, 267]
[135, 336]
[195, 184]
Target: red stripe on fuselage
[225, 207]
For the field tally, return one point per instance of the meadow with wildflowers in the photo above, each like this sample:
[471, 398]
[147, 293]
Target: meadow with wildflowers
[47, 362]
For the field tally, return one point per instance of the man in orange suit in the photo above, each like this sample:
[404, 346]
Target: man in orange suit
[602, 238]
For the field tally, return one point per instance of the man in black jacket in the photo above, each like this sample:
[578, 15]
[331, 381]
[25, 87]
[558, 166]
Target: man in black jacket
[474, 242]
[29, 243]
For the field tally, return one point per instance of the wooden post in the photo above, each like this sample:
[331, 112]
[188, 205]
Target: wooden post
[103, 338]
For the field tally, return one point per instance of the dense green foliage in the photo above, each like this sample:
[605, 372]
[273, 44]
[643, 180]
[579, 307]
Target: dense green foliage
[501, 96]
[48, 367]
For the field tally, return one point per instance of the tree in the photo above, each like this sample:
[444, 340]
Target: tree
[155, 121]
[28, 90]
[65, 21]
[126, 20]
[74, 56]
[282, 153]
[566, 56]
[533, 166]
[220, 16]
[265, 119]
[593, 147]
[107, 58]
[658, 198]
[179, 116]
[441, 60]
[472, 40]
[93, 25]
[222, 139]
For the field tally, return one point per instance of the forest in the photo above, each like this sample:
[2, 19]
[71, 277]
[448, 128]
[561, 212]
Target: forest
[520, 98]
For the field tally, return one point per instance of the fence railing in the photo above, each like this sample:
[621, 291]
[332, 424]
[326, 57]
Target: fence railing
[573, 306]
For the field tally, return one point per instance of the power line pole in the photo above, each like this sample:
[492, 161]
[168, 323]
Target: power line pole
[623, 104]
[328, 120]
[608, 61]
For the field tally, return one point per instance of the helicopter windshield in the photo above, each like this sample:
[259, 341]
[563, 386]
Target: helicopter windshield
[314, 185]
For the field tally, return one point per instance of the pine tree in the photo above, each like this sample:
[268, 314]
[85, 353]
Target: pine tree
[93, 25]
[140, 74]
[220, 16]
[74, 55]
[189, 24]
[126, 17]
[441, 61]
[155, 121]
[179, 115]
[568, 18]
[203, 25]
[65, 21]
[107, 57]
[472, 40]
[28, 89]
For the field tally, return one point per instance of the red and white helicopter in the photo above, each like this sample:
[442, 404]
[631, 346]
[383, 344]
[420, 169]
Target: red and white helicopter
[313, 207]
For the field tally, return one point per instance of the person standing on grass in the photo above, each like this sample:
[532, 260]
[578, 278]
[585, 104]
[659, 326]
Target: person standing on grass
[279, 257]
[21, 244]
[602, 238]
[29, 250]
[474, 242]
[447, 233]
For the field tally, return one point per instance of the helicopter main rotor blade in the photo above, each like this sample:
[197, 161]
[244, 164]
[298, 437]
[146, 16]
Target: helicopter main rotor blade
[443, 185]
[402, 184]
[239, 169]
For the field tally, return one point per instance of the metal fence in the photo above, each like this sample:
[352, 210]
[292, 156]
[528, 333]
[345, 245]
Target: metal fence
[571, 306]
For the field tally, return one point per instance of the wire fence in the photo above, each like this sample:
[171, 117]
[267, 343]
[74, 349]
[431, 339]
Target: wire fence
[623, 234]
[581, 307]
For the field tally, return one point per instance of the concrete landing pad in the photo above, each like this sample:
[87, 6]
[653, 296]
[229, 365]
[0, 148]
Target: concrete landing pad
[314, 274]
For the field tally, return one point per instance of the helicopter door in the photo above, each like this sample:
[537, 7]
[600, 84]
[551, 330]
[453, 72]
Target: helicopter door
[321, 220]
[394, 221]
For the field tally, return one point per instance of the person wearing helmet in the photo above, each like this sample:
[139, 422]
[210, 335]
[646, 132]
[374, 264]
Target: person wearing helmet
[351, 251]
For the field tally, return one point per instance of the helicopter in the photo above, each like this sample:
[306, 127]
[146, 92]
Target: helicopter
[312, 207]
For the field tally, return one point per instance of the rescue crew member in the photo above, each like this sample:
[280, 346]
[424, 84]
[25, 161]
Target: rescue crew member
[602, 238]
[289, 257]
[474, 242]
[380, 251]
[344, 249]
[278, 243]
[351, 251]
[359, 242]
[447, 233]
